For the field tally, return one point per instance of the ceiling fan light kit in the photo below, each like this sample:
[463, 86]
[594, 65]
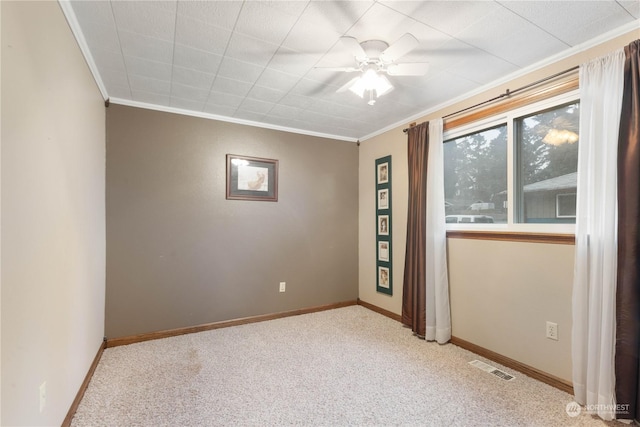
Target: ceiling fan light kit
[371, 81]
[374, 58]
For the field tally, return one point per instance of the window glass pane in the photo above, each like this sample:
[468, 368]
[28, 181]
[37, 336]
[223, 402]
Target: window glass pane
[548, 151]
[475, 177]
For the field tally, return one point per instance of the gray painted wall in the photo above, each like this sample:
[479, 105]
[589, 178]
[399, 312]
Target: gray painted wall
[179, 254]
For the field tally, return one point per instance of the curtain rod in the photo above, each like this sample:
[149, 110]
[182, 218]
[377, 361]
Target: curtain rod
[508, 93]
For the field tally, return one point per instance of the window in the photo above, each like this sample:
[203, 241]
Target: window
[547, 144]
[566, 206]
[517, 170]
[475, 176]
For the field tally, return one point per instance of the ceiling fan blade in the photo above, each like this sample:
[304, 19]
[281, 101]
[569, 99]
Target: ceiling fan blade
[404, 45]
[354, 47]
[408, 69]
[344, 69]
[348, 85]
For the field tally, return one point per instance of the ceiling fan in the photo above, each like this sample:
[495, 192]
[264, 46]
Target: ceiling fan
[374, 58]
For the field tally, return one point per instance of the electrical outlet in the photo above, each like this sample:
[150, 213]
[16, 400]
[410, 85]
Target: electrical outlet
[283, 286]
[552, 331]
[43, 395]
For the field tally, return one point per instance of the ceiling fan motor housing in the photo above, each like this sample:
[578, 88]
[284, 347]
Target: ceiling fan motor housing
[373, 49]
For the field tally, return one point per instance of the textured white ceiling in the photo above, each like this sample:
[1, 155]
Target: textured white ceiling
[254, 61]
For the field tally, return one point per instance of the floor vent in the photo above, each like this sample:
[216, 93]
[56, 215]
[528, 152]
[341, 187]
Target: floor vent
[492, 370]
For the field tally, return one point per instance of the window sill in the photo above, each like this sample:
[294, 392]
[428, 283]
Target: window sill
[511, 236]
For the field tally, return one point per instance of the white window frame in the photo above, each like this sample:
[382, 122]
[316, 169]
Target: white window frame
[509, 118]
[558, 213]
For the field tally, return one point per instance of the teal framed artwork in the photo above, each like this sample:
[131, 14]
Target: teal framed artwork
[384, 277]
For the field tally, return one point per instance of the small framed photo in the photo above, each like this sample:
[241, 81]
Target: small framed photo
[383, 225]
[383, 251]
[383, 277]
[252, 178]
[383, 173]
[383, 199]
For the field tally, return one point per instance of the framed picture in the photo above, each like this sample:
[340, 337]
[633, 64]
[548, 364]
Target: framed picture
[383, 173]
[383, 277]
[383, 199]
[383, 251]
[384, 211]
[383, 225]
[252, 178]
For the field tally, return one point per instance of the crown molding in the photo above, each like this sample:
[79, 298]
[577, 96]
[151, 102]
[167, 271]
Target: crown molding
[234, 120]
[70, 16]
[603, 38]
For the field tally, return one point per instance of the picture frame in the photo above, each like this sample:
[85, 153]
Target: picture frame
[383, 251]
[383, 173]
[383, 199]
[383, 277]
[384, 230]
[252, 178]
[383, 225]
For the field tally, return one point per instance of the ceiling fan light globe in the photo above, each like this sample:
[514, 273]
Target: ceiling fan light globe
[383, 86]
[358, 88]
[370, 79]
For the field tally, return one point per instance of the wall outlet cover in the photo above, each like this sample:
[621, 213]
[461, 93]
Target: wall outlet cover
[43, 395]
[552, 331]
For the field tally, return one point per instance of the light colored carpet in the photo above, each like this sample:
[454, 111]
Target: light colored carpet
[348, 366]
